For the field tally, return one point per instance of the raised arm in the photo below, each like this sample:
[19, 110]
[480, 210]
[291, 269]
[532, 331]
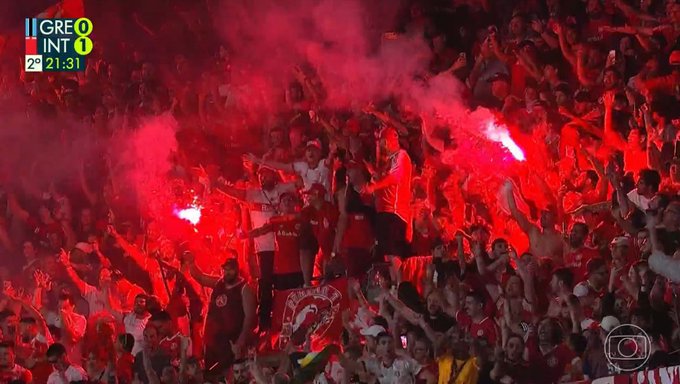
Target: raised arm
[583, 73]
[406, 312]
[89, 194]
[519, 217]
[234, 193]
[5, 240]
[283, 167]
[343, 219]
[613, 138]
[539, 27]
[137, 255]
[602, 184]
[257, 232]
[528, 280]
[82, 286]
[15, 208]
[202, 278]
[621, 197]
[39, 319]
[567, 51]
[387, 119]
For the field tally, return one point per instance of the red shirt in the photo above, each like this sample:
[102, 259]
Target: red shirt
[323, 222]
[577, 261]
[485, 329]
[16, 373]
[173, 347]
[396, 198]
[287, 256]
[124, 368]
[551, 366]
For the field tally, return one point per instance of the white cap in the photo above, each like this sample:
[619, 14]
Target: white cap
[608, 323]
[373, 331]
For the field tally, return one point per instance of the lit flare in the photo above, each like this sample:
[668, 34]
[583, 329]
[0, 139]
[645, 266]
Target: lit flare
[501, 135]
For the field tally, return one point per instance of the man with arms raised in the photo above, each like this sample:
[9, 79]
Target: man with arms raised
[263, 204]
[545, 241]
[391, 186]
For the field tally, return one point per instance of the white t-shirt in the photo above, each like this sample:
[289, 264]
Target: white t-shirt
[72, 373]
[263, 206]
[79, 324]
[135, 326]
[310, 176]
[402, 371]
[641, 202]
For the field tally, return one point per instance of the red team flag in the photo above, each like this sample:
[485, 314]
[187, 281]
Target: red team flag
[316, 309]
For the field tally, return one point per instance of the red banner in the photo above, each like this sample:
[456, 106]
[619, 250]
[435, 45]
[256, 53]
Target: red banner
[666, 375]
[317, 310]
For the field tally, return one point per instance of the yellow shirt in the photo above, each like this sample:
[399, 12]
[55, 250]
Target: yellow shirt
[468, 370]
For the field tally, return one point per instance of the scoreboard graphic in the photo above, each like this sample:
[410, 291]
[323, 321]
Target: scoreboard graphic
[57, 45]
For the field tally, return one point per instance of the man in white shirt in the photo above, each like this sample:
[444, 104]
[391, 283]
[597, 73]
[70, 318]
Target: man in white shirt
[72, 326]
[389, 368]
[135, 322]
[392, 188]
[64, 371]
[314, 169]
[646, 188]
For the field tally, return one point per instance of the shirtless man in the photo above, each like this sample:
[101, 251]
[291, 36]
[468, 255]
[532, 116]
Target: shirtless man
[545, 241]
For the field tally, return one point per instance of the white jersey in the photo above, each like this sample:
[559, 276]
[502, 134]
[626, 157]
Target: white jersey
[319, 175]
[135, 326]
[402, 371]
[72, 373]
[263, 206]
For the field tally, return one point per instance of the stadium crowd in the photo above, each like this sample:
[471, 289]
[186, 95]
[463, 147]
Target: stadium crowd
[521, 272]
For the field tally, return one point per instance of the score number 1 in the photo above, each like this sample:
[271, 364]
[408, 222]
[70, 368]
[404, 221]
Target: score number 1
[33, 63]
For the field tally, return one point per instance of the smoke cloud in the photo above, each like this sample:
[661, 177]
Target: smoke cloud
[343, 43]
[145, 159]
